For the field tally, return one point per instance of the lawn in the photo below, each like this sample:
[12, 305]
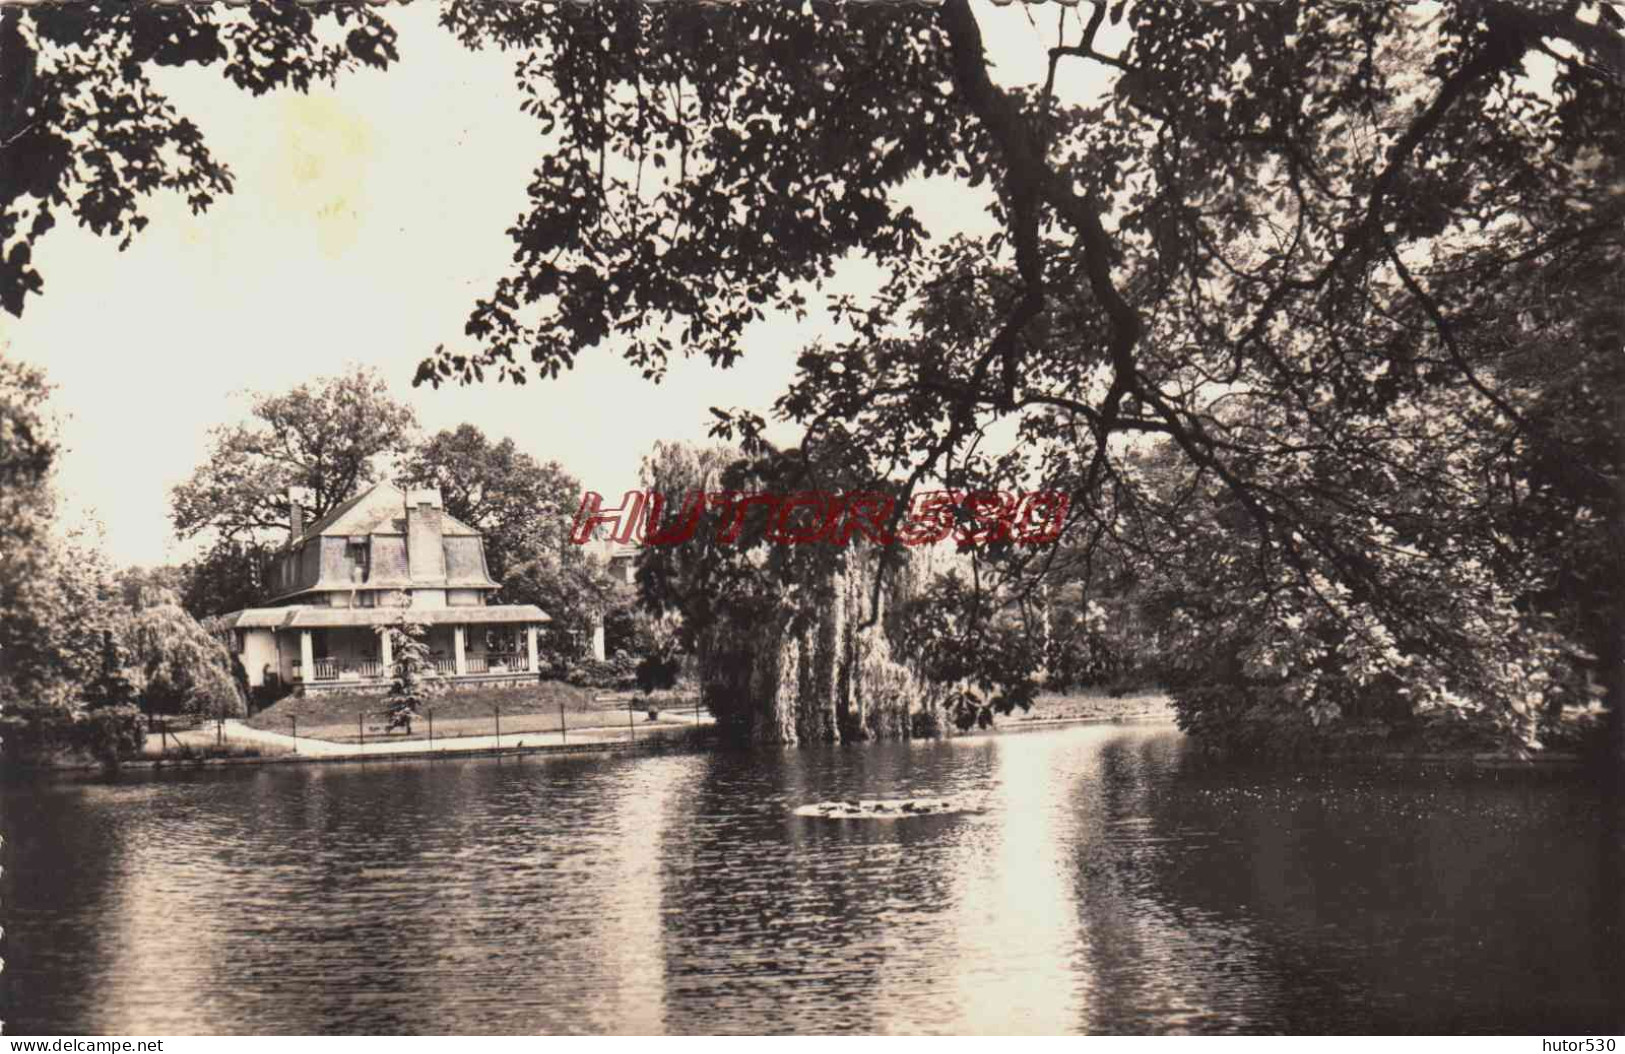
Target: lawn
[1090, 705]
[533, 708]
[199, 743]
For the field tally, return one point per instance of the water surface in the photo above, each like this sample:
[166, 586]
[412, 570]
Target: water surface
[1106, 881]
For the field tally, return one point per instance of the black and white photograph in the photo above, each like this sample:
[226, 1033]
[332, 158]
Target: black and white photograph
[812, 518]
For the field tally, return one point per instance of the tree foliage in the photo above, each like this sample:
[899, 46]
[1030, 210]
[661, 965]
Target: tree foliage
[520, 505]
[73, 69]
[329, 437]
[413, 678]
[953, 632]
[79, 642]
[1353, 270]
[230, 576]
[28, 450]
[175, 666]
[661, 658]
[60, 626]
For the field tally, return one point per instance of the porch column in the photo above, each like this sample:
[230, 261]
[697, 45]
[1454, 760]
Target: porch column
[598, 638]
[459, 640]
[307, 657]
[518, 640]
[530, 649]
[386, 650]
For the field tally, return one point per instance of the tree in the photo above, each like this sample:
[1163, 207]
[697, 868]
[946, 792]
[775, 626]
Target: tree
[328, 438]
[662, 658]
[524, 509]
[953, 632]
[28, 450]
[521, 506]
[60, 627]
[229, 577]
[60, 610]
[670, 576]
[1295, 244]
[176, 666]
[145, 587]
[77, 68]
[413, 679]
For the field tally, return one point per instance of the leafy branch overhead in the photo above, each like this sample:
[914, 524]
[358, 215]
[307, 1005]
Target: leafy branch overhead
[1335, 263]
[84, 134]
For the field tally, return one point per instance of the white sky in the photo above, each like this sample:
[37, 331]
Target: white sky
[366, 219]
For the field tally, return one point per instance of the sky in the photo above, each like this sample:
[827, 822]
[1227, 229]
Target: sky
[366, 220]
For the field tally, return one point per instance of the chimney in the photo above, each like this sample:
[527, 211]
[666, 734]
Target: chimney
[296, 512]
[425, 548]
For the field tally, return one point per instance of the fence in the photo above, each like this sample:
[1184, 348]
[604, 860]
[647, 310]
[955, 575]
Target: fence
[169, 728]
[501, 726]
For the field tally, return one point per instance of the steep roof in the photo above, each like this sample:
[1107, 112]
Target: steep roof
[380, 509]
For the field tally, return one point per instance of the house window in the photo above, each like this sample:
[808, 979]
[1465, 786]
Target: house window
[356, 556]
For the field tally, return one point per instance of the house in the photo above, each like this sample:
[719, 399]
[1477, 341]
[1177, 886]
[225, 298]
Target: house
[620, 561]
[384, 556]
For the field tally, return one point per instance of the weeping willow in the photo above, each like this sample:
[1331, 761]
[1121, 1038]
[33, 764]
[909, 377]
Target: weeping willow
[810, 666]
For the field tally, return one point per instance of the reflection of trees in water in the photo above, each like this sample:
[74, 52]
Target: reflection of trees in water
[1316, 901]
[411, 897]
[202, 902]
[781, 923]
[409, 893]
[1155, 963]
[465, 896]
[59, 943]
[505, 896]
[678, 893]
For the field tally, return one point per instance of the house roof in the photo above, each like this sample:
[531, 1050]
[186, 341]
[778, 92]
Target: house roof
[300, 616]
[380, 509]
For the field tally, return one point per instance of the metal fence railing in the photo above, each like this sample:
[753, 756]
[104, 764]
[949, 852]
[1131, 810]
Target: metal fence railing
[503, 727]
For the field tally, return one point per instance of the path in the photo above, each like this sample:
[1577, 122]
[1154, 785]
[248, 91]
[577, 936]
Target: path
[236, 731]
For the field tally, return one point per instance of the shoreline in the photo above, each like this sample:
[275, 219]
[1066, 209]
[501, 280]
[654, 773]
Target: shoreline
[682, 737]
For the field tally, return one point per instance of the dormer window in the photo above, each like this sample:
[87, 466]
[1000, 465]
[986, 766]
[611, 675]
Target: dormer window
[355, 554]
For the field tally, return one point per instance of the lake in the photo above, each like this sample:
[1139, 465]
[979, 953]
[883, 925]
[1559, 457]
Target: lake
[1101, 879]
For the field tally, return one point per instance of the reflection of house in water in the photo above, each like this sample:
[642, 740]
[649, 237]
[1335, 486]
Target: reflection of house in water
[383, 557]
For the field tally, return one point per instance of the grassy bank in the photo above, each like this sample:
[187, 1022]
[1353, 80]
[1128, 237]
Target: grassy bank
[1089, 705]
[533, 708]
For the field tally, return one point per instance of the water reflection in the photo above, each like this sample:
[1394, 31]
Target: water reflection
[1015, 933]
[1107, 881]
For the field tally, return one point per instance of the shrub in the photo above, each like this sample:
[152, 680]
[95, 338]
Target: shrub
[925, 723]
[175, 666]
[113, 732]
[591, 673]
[43, 736]
[268, 694]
